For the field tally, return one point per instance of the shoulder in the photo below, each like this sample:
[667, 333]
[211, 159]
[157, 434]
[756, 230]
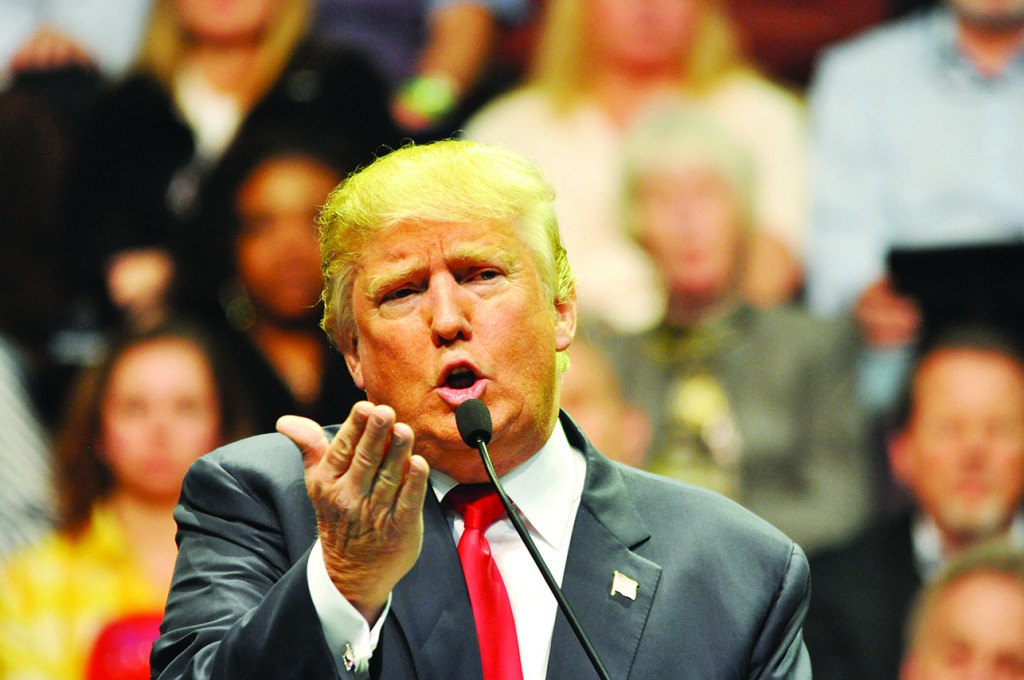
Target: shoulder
[806, 338]
[747, 87]
[519, 107]
[264, 456]
[877, 51]
[265, 469]
[665, 504]
[796, 321]
[880, 546]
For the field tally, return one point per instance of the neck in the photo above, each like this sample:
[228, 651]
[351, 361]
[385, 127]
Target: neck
[229, 68]
[625, 92]
[149, 527]
[296, 354]
[952, 543]
[990, 47]
[691, 311]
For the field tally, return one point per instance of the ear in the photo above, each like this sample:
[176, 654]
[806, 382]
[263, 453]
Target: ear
[565, 324]
[355, 366]
[901, 456]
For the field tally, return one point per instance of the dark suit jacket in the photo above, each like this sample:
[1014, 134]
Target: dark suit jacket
[721, 593]
[862, 594]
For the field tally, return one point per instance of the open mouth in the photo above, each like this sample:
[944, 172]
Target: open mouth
[461, 378]
[460, 383]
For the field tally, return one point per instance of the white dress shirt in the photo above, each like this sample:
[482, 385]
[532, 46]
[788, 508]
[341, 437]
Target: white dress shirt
[546, 489]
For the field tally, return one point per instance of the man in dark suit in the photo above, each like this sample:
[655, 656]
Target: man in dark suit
[960, 453]
[445, 280]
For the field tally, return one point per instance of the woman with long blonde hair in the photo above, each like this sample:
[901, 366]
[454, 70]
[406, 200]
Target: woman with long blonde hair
[599, 66]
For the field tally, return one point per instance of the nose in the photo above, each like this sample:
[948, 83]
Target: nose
[449, 309]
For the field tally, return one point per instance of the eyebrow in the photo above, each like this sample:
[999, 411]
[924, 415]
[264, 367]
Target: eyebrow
[466, 252]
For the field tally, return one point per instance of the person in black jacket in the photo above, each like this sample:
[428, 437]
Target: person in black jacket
[960, 453]
[205, 81]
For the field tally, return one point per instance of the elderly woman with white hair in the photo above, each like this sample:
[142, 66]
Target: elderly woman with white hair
[756, 403]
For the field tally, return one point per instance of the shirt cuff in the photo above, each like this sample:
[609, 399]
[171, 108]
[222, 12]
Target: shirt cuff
[349, 637]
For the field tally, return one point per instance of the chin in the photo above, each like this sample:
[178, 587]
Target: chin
[976, 521]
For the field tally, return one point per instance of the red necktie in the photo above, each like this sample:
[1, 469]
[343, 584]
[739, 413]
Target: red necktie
[495, 627]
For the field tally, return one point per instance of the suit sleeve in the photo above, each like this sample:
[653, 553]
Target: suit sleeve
[239, 605]
[780, 651]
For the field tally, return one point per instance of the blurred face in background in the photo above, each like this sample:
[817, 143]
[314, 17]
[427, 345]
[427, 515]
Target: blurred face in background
[962, 453]
[691, 224]
[992, 14]
[592, 396]
[641, 35]
[276, 250]
[159, 414]
[226, 21]
[974, 629]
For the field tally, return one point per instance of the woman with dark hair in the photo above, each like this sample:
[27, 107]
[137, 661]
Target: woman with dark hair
[133, 425]
[256, 275]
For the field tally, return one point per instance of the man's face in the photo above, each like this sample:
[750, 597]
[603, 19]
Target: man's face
[962, 454]
[991, 14]
[975, 629]
[449, 312]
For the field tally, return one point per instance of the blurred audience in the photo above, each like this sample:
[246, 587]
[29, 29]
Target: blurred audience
[133, 426]
[592, 395]
[437, 55]
[255, 274]
[598, 65]
[758, 404]
[52, 34]
[208, 74]
[27, 503]
[960, 453]
[916, 142]
[969, 621]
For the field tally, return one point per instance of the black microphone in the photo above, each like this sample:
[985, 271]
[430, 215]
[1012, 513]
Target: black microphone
[473, 419]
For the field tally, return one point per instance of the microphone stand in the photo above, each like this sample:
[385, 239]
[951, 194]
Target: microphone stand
[517, 522]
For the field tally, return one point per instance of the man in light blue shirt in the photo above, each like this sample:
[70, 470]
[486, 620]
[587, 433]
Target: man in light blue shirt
[917, 140]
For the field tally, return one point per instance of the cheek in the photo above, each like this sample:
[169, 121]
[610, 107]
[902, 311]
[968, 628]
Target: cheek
[198, 435]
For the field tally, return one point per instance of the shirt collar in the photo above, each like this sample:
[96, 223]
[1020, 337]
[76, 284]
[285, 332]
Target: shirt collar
[546, 488]
[927, 543]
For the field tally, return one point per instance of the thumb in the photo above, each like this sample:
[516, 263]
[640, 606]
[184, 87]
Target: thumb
[307, 435]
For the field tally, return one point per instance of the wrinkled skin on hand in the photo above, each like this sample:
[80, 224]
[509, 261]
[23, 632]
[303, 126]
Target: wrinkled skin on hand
[367, 488]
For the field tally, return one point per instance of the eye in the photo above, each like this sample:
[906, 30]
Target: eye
[482, 275]
[397, 294]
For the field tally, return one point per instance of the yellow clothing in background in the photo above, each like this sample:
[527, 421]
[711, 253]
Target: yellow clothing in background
[57, 594]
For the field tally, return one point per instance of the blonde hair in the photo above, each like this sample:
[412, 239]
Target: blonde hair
[449, 181]
[166, 41]
[560, 65]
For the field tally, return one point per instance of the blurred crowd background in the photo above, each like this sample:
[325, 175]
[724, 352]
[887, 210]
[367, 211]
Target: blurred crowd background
[797, 227]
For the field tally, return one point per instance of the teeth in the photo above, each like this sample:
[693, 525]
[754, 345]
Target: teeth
[461, 378]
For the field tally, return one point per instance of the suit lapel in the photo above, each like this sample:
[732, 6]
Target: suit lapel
[431, 605]
[606, 531]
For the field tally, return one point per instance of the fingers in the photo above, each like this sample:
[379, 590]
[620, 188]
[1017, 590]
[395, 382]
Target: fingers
[370, 450]
[392, 470]
[307, 435]
[409, 503]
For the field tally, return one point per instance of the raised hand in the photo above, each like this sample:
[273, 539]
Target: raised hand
[367, 488]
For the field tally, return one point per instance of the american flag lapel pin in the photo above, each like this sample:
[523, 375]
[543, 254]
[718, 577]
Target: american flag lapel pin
[624, 585]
